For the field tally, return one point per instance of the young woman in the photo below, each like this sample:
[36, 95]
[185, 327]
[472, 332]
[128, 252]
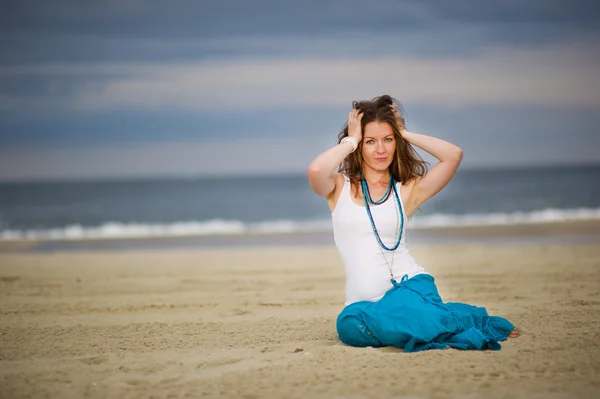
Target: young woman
[390, 299]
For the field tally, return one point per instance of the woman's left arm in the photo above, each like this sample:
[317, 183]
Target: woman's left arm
[439, 175]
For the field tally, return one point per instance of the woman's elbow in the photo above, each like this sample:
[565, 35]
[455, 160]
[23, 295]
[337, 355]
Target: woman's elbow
[313, 173]
[317, 182]
[458, 155]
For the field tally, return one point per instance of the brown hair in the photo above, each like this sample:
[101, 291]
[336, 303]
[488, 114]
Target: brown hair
[407, 163]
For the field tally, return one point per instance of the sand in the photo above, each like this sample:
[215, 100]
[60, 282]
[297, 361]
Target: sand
[260, 322]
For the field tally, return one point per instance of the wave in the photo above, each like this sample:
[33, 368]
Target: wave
[117, 230]
[502, 219]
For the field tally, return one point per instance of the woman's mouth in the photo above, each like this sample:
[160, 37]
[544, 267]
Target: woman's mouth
[383, 159]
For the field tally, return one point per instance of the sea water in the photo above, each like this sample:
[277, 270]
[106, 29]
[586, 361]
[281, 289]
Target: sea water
[278, 204]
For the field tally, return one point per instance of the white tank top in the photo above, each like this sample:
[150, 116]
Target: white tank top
[367, 273]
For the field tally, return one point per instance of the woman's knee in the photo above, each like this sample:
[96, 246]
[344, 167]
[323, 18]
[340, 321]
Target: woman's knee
[353, 331]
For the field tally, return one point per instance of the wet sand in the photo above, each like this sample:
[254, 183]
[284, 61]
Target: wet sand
[255, 322]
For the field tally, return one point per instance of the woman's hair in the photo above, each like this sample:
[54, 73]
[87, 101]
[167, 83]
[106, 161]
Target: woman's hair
[407, 163]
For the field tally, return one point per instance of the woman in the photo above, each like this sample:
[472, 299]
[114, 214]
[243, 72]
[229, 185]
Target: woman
[390, 299]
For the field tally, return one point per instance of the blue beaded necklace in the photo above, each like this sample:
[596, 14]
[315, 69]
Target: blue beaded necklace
[367, 200]
[367, 193]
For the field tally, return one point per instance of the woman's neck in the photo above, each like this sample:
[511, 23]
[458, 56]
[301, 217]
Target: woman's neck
[375, 177]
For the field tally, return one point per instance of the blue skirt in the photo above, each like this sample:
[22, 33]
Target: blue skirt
[412, 316]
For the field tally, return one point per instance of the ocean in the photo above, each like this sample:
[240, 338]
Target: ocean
[278, 204]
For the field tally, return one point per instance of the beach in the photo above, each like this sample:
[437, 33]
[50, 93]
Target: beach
[253, 322]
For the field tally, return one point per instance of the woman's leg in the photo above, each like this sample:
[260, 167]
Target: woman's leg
[352, 329]
[413, 316]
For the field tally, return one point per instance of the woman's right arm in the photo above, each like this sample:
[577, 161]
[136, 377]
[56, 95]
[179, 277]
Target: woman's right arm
[321, 171]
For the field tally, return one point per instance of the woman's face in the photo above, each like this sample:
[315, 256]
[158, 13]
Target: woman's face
[378, 145]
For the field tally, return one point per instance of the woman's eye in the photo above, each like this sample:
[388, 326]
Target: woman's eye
[388, 139]
[370, 141]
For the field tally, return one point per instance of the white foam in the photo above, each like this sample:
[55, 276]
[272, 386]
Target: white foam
[495, 219]
[116, 230]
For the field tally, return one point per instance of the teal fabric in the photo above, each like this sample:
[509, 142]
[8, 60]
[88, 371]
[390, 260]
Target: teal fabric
[412, 316]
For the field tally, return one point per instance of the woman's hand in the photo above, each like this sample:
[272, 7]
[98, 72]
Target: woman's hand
[354, 125]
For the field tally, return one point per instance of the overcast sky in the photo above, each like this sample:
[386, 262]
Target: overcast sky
[168, 88]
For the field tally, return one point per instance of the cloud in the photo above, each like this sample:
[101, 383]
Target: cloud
[202, 19]
[552, 76]
[236, 55]
[506, 147]
[191, 159]
[187, 72]
[109, 31]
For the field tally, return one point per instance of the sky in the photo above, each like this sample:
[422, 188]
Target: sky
[128, 89]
